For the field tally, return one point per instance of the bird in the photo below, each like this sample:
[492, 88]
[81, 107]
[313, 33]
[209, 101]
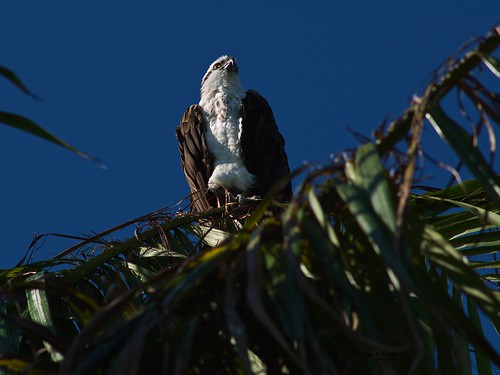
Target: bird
[229, 142]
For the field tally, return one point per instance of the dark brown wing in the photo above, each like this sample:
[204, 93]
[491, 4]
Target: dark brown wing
[263, 146]
[196, 159]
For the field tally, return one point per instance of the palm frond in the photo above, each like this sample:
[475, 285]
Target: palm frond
[358, 274]
[24, 124]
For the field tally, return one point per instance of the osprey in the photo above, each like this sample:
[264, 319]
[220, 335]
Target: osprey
[229, 142]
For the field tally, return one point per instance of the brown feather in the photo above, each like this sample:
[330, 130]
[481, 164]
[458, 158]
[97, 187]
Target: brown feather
[196, 159]
[263, 147]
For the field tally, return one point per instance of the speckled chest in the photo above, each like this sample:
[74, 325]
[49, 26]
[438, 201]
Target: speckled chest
[223, 117]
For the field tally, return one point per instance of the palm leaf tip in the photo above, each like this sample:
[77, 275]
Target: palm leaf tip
[12, 77]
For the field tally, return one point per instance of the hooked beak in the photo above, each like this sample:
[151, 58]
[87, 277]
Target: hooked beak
[231, 65]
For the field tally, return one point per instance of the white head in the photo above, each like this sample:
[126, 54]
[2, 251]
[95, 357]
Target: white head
[222, 73]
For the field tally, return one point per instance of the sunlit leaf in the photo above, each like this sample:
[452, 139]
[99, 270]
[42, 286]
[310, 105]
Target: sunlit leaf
[211, 236]
[458, 139]
[360, 206]
[484, 215]
[442, 254]
[39, 311]
[492, 63]
[372, 176]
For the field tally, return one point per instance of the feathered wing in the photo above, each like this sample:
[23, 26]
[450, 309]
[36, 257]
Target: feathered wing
[263, 146]
[197, 162]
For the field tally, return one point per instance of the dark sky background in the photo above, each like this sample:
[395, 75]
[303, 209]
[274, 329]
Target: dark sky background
[116, 76]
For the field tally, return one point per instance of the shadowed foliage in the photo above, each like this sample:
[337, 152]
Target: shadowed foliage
[363, 272]
[29, 126]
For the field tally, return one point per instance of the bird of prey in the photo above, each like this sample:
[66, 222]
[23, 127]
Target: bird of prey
[229, 142]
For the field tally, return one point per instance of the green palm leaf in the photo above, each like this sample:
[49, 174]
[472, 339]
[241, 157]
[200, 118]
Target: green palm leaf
[358, 274]
[29, 126]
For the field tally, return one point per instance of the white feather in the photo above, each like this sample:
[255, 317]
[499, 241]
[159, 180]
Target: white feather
[221, 100]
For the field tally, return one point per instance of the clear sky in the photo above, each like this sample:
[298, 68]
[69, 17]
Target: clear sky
[115, 77]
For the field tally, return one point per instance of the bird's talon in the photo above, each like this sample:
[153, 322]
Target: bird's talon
[242, 199]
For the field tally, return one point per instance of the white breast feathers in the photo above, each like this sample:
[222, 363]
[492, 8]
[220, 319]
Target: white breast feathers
[222, 112]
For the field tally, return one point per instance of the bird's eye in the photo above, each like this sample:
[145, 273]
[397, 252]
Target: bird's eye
[217, 66]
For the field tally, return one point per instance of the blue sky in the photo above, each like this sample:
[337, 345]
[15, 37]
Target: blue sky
[116, 76]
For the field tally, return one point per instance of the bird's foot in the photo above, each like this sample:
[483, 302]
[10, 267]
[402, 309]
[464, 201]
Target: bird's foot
[240, 198]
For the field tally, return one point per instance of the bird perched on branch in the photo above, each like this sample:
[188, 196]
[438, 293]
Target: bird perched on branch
[230, 144]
